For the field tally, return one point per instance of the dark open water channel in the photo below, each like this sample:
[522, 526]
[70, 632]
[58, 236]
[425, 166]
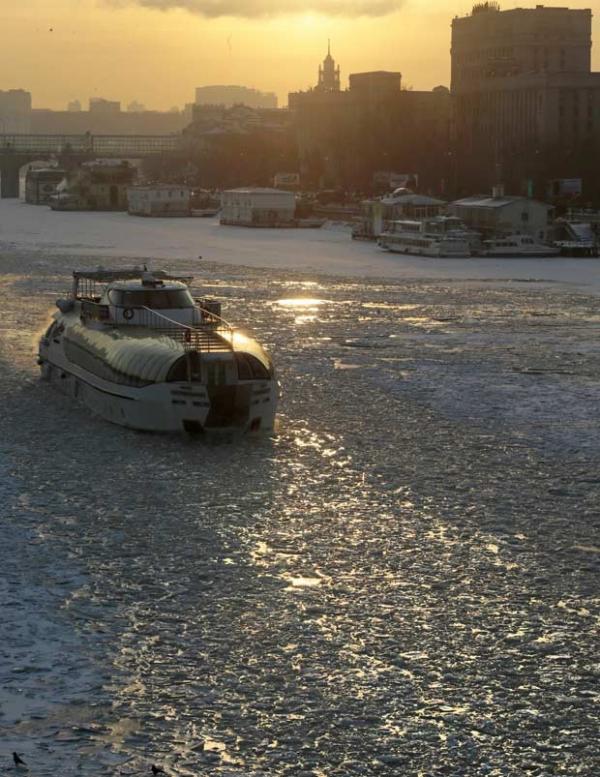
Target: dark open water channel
[403, 581]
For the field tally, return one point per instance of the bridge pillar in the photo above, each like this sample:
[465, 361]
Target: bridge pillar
[9, 175]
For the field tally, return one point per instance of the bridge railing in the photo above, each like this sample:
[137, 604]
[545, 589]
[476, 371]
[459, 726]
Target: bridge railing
[87, 143]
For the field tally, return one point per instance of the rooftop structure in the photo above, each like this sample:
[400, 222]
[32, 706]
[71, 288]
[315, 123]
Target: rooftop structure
[329, 74]
[100, 105]
[231, 95]
[376, 84]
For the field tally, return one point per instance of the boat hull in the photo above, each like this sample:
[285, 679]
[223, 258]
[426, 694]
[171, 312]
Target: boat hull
[541, 254]
[248, 406]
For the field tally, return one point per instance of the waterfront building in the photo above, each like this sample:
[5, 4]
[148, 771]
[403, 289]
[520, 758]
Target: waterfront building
[504, 215]
[258, 207]
[98, 185]
[526, 105]
[378, 214]
[159, 200]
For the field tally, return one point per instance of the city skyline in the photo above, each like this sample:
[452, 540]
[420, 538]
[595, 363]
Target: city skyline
[135, 51]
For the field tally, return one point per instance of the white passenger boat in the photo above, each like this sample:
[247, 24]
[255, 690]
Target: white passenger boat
[515, 246]
[424, 238]
[140, 351]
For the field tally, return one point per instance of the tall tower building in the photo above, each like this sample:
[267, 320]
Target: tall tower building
[329, 74]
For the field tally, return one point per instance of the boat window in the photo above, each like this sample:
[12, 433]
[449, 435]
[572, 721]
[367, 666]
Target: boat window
[179, 371]
[157, 299]
[251, 368]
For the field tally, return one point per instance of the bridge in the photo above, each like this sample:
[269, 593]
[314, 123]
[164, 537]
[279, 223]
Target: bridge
[18, 150]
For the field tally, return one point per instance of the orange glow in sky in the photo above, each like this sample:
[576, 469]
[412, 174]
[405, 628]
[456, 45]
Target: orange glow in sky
[141, 50]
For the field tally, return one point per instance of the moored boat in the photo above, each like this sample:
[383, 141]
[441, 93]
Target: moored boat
[517, 246]
[140, 351]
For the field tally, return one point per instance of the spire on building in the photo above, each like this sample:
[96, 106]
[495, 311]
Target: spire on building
[329, 74]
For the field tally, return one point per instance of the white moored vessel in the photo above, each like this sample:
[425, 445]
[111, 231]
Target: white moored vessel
[143, 353]
[430, 237]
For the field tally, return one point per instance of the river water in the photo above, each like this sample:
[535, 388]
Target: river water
[403, 580]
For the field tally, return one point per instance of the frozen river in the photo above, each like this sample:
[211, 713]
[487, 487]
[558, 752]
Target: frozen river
[402, 581]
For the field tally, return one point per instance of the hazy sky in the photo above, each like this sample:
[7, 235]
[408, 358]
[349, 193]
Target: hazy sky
[158, 51]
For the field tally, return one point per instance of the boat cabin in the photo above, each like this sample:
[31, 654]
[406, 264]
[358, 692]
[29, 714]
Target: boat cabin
[140, 298]
[128, 301]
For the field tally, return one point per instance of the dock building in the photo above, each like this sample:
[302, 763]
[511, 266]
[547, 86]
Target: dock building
[258, 207]
[500, 214]
[159, 200]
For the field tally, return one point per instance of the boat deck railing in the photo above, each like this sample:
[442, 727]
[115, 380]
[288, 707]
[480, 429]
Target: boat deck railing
[210, 335]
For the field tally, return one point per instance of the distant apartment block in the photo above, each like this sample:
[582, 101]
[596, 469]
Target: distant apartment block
[78, 122]
[100, 105]
[212, 120]
[15, 111]
[235, 95]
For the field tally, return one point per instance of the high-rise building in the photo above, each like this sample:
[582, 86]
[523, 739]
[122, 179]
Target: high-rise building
[346, 136]
[15, 111]
[525, 101]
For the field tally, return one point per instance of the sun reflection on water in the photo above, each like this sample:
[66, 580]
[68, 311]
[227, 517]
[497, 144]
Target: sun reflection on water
[300, 302]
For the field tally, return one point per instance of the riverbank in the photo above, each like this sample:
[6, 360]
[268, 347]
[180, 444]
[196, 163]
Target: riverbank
[327, 250]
